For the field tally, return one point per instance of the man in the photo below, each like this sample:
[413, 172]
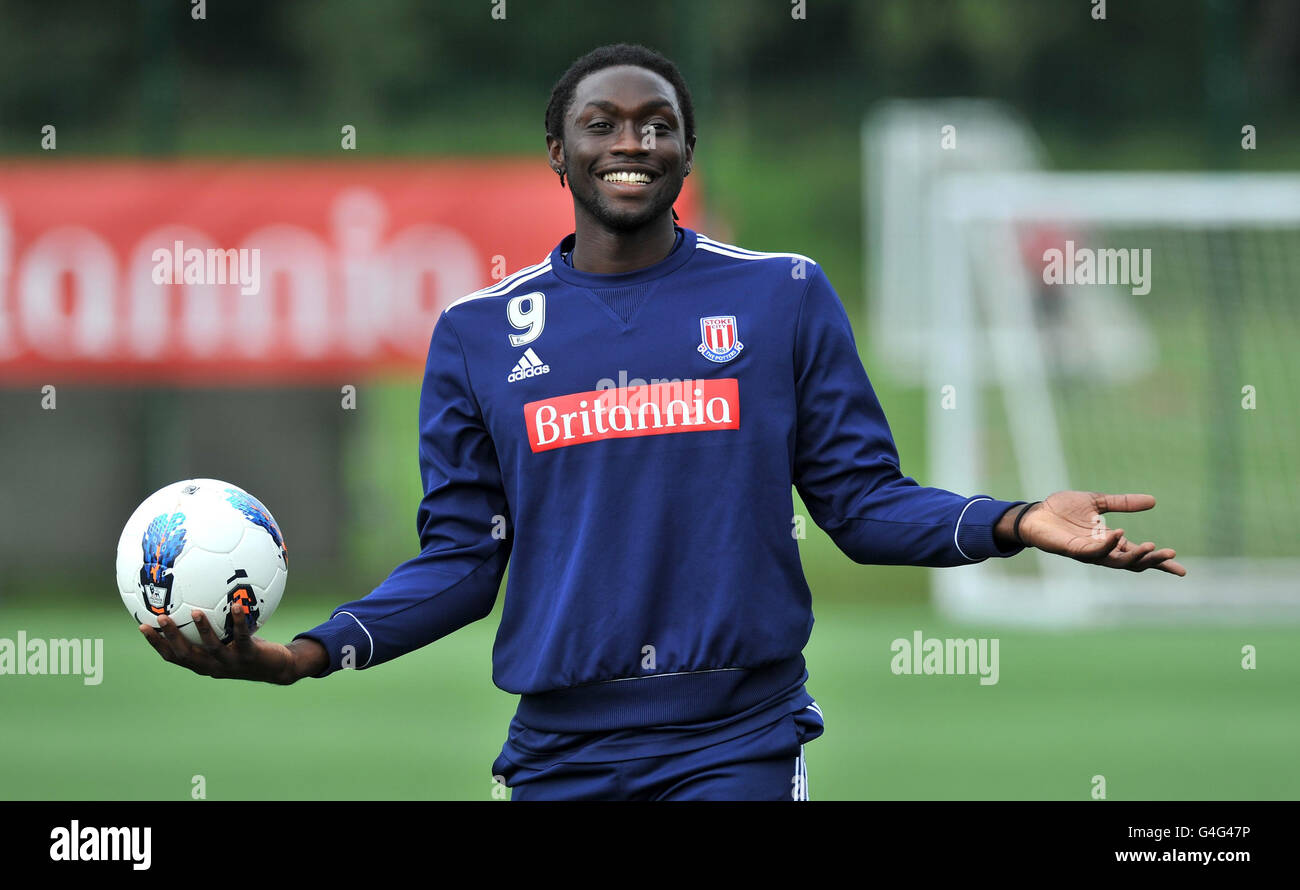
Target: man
[624, 422]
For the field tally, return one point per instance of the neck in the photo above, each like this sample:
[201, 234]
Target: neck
[601, 251]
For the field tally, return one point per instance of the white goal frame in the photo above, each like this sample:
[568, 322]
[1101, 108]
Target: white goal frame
[972, 219]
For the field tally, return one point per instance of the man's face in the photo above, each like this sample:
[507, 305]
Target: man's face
[623, 119]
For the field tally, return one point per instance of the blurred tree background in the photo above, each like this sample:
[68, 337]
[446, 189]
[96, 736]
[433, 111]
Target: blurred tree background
[779, 99]
[275, 77]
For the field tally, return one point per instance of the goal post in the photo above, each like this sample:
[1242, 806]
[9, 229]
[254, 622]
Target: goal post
[907, 145]
[1119, 332]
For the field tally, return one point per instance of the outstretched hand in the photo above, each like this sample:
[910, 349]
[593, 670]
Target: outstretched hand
[1071, 523]
[244, 657]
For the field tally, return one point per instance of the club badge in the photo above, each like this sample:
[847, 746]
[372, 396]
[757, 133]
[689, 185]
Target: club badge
[719, 338]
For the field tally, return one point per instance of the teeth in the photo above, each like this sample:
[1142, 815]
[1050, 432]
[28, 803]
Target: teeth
[622, 176]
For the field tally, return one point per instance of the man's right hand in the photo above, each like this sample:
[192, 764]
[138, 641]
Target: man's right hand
[245, 657]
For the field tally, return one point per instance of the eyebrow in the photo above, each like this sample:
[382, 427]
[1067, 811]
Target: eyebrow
[660, 102]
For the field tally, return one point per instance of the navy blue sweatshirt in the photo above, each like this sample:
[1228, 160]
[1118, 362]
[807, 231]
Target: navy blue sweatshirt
[628, 444]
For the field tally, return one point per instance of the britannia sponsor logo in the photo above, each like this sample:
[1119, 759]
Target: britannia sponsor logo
[684, 406]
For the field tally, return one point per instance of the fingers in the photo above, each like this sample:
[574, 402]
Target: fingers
[1091, 548]
[1140, 557]
[1108, 547]
[1101, 546]
[243, 639]
[172, 633]
[211, 657]
[211, 643]
[159, 644]
[1173, 568]
[1103, 549]
[1162, 559]
[1125, 503]
[1128, 555]
[180, 650]
[240, 614]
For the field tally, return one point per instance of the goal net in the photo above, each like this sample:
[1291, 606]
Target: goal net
[1129, 332]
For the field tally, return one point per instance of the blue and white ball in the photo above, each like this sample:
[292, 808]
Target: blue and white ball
[201, 544]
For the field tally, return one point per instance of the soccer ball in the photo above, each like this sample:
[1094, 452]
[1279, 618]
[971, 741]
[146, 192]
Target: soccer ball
[201, 544]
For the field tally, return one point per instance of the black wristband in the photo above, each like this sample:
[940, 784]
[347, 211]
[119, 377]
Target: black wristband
[1015, 528]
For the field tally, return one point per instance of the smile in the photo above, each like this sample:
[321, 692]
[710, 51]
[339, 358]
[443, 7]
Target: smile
[620, 177]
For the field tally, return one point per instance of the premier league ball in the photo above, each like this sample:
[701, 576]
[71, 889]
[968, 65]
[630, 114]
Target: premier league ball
[201, 544]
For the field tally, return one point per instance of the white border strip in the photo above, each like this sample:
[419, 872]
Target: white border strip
[505, 286]
[368, 636]
[957, 529]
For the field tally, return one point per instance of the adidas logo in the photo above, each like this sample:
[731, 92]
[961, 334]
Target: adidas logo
[529, 365]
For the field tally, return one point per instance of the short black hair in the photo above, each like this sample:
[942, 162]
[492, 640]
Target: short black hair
[607, 57]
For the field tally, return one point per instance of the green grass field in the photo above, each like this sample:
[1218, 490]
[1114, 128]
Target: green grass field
[1162, 714]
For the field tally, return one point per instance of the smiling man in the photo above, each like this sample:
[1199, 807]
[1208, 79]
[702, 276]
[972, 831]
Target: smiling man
[656, 612]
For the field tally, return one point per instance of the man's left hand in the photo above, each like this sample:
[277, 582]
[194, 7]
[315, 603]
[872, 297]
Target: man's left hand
[1071, 523]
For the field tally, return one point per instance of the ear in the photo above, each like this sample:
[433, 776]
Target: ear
[555, 152]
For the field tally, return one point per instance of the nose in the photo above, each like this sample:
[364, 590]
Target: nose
[629, 139]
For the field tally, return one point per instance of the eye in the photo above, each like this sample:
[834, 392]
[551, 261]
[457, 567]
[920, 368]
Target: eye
[599, 124]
